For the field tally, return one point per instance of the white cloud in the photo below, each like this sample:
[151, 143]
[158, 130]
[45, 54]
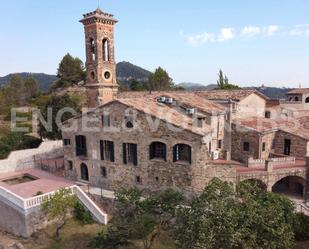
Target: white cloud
[300, 30]
[199, 39]
[251, 31]
[271, 29]
[226, 34]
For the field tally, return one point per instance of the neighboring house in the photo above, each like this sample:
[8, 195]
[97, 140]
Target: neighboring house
[262, 138]
[245, 103]
[297, 99]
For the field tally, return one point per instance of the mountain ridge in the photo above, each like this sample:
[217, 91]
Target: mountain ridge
[127, 71]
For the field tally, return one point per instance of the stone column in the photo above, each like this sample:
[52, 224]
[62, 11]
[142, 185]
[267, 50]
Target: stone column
[269, 166]
[307, 180]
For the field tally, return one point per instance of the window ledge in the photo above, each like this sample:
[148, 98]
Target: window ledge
[184, 163]
[161, 160]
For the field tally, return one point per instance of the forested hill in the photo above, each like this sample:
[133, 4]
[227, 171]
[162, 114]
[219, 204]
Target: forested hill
[126, 71]
[44, 80]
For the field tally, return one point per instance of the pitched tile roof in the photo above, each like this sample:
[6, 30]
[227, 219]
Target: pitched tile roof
[298, 126]
[166, 113]
[236, 95]
[188, 98]
[299, 91]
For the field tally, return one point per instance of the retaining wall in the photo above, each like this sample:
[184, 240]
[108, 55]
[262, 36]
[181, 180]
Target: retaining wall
[23, 159]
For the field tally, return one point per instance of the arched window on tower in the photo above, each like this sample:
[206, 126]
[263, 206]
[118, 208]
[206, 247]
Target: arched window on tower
[106, 50]
[92, 49]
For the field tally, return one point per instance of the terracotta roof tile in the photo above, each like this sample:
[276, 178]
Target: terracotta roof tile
[166, 113]
[188, 98]
[237, 95]
[298, 126]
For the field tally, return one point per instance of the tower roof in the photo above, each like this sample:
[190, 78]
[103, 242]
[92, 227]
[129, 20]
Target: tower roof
[98, 16]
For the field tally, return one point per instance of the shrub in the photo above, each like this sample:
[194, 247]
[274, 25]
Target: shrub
[82, 215]
[301, 227]
[30, 142]
[17, 141]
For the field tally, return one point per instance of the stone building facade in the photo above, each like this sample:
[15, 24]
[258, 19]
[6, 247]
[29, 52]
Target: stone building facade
[173, 139]
[189, 173]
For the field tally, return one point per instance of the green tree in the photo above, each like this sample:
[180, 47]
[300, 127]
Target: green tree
[222, 218]
[223, 82]
[138, 86]
[15, 92]
[122, 86]
[58, 208]
[55, 105]
[160, 80]
[70, 72]
[139, 219]
[32, 88]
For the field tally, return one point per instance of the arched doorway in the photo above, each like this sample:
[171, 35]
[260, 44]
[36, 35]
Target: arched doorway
[290, 185]
[307, 100]
[84, 172]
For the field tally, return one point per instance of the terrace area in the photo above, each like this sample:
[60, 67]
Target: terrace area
[28, 183]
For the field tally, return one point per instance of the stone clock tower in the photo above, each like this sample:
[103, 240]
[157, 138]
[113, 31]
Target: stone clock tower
[101, 80]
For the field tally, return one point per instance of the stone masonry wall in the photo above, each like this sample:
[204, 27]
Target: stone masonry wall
[155, 174]
[299, 146]
[20, 223]
[239, 137]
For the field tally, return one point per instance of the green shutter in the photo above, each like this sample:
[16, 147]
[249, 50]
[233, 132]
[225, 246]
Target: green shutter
[102, 149]
[164, 152]
[151, 149]
[112, 152]
[134, 151]
[175, 153]
[124, 153]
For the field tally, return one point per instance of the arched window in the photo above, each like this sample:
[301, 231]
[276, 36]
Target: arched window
[92, 49]
[296, 99]
[182, 153]
[157, 150]
[307, 100]
[106, 50]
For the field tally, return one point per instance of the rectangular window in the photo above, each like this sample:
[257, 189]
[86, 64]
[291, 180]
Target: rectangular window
[107, 150]
[182, 152]
[130, 154]
[246, 146]
[81, 146]
[263, 147]
[70, 165]
[103, 172]
[66, 142]
[138, 179]
[267, 114]
[220, 144]
[106, 121]
[158, 151]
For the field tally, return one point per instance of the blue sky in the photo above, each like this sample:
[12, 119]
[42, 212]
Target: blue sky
[254, 42]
